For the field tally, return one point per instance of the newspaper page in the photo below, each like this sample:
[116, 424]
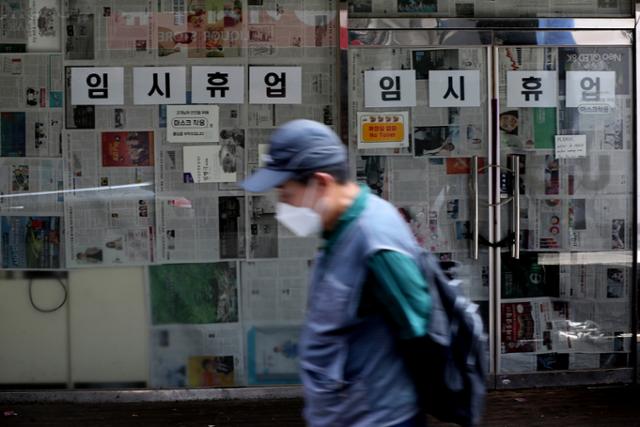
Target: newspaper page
[31, 242]
[109, 206]
[31, 133]
[274, 296]
[32, 186]
[274, 291]
[31, 82]
[13, 26]
[201, 221]
[199, 29]
[44, 26]
[292, 28]
[189, 355]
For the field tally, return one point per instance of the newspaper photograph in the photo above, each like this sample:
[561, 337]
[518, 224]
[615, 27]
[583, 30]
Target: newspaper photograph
[207, 355]
[32, 242]
[194, 293]
[274, 291]
[272, 355]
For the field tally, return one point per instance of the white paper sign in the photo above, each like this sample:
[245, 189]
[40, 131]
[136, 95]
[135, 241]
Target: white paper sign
[390, 88]
[571, 146]
[217, 85]
[159, 85]
[591, 88]
[454, 88]
[275, 85]
[97, 86]
[383, 130]
[193, 123]
[532, 88]
[205, 163]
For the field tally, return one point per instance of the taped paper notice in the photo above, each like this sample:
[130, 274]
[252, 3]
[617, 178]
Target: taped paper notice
[571, 146]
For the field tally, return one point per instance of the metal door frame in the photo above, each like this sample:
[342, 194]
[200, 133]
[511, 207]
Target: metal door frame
[493, 33]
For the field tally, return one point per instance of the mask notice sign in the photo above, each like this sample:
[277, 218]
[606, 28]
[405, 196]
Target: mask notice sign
[192, 123]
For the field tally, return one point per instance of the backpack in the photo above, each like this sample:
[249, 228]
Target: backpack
[448, 364]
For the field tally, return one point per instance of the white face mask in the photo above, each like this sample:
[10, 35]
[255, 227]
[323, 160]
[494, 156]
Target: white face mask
[301, 220]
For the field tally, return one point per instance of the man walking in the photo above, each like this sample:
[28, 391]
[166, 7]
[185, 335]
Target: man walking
[367, 292]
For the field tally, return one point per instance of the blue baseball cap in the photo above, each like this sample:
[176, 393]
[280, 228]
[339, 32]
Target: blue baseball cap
[297, 148]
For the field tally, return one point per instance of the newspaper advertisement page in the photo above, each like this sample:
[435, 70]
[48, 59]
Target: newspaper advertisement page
[31, 82]
[125, 30]
[32, 242]
[199, 29]
[292, 28]
[109, 208]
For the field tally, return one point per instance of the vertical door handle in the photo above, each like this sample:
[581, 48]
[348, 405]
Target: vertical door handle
[475, 241]
[515, 217]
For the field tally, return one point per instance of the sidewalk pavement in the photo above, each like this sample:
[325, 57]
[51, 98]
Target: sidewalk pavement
[554, 407]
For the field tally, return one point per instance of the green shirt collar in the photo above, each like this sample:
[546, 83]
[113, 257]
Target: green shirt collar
[347, 217]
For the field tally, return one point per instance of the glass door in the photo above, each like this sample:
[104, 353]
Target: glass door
[419, 135]
[512, 154]
[566, 145]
